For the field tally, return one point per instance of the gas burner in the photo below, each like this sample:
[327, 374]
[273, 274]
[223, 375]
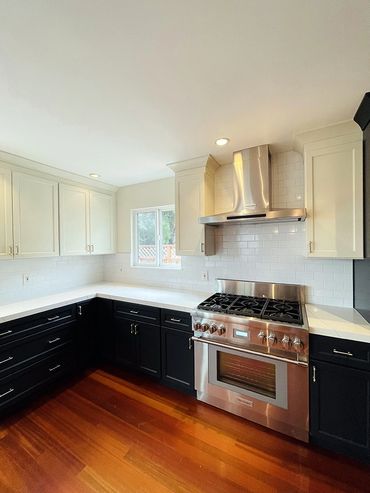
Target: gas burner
[283, 311]
[247, 306]
[218, 302]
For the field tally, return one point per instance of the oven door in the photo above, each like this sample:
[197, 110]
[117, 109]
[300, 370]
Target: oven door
[267, 390]
[249, 375]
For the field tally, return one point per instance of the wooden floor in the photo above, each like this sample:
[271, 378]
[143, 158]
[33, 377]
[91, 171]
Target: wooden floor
[117, 433]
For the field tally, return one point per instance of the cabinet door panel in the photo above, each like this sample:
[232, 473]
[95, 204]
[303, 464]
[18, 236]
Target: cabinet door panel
[35, 208]
[102, 222]
[334, 200]
[125, 342]
[340, 409]
[177, 359]
[6, 220]
[148, 348]
[74, 220]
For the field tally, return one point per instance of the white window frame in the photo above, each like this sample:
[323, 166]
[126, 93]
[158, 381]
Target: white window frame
[134, 242]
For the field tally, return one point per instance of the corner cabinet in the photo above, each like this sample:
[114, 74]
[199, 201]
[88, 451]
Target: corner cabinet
[86, 221]
[194, 197]
[334, 196]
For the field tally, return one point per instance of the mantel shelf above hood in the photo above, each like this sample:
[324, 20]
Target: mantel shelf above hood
[252, 200]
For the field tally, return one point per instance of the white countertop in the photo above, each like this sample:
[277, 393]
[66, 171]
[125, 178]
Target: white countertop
[332, 321]
[344, 323]
[163, 298]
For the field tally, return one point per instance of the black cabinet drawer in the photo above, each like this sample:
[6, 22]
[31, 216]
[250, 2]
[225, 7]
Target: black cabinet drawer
[10, 331]
[176, 319]
[22, 383]
[21, 352]
[341, 351]
[134, 311]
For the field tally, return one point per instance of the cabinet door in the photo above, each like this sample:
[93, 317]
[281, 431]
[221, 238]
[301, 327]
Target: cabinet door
[148, 348]
[74, 220]
[86, 333]
[340, 409]
[6, 219]
[35, 209]
[189, 233]
[334, 198]
[125, 341]
[102, 223]
[177, 359]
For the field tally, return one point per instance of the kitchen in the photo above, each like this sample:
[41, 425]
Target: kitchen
[184, 273]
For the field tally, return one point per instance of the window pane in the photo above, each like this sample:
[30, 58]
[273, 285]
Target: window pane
[168, 249]
[146, 225]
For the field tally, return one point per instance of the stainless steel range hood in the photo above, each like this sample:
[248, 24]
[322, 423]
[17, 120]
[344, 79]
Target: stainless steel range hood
[252, 200]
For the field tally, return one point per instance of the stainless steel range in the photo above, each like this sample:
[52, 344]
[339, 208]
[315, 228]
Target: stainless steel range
[251, 353]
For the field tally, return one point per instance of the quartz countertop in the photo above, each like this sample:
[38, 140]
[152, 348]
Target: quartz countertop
[145, 295]
[332, 321]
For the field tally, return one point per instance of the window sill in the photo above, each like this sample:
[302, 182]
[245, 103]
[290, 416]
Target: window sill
[156, 267]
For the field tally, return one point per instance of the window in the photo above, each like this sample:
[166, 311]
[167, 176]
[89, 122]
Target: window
[153, 237]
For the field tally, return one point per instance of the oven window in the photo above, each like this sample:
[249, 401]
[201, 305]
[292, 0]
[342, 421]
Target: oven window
[246, 373]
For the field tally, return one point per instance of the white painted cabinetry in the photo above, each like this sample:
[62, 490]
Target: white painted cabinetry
[194, 197]
[334, 195]
[6, 217]
[86, 221]
[35, 216]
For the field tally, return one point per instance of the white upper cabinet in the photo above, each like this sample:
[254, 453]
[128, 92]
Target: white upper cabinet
[102, 220]
[6, 217]
[194, 197]
[86, 221]
[35, 216]
[334, 195]
[74, 220]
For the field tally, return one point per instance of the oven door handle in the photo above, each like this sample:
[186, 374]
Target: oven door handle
[264, 355]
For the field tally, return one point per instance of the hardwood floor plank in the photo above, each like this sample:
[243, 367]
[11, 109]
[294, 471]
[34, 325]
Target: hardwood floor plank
[118, 433]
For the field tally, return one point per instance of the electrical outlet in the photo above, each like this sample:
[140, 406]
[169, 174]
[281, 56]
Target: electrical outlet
[204, 275]
[26, 279]
[121, 268]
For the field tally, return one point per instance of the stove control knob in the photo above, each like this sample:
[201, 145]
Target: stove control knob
[205, 327]
[286, 341]
[221, 330]
[197, 326]
[272, 338]
[297, 344]
[261, 335]
[213, 328]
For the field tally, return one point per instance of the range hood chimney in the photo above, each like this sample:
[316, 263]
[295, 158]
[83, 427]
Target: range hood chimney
[252, 199]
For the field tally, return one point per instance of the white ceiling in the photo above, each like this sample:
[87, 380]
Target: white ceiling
[122, 87]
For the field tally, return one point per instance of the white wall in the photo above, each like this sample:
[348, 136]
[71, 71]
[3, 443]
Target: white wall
[270, 252]
[47, 276]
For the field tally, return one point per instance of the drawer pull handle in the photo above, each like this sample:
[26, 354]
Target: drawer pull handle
[132, 330]
[54, 340]
[50, 319]
[177, 320]
[6, 333]
[6, 393]
[54, 368]
[343, 353]
[136, 330]
[190, 344]
[134, 312]
[314, 374]
[79, 310]
[6, 360]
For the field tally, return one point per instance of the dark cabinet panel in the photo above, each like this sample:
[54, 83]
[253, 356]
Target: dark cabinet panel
[105, 330]
[148, 314]
[177, 359]
[340, 409]
[176, 319]
[148, 348]
[86, 333]
[125, 343]
[340, 351]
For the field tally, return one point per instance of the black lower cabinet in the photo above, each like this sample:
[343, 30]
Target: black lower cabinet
[87, 343]
[340, 408]
[138, 345]
[177, 359]
[105, 335]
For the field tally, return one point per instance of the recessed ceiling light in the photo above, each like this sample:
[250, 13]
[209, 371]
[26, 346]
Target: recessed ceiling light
[222, 141]
[94, 175]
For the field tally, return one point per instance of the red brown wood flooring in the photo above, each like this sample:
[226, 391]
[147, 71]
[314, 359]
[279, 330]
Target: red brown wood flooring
[114, 432]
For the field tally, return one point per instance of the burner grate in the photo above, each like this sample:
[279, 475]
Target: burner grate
[283, 311]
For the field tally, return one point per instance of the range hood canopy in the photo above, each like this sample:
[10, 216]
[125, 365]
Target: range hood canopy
[252, 198]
